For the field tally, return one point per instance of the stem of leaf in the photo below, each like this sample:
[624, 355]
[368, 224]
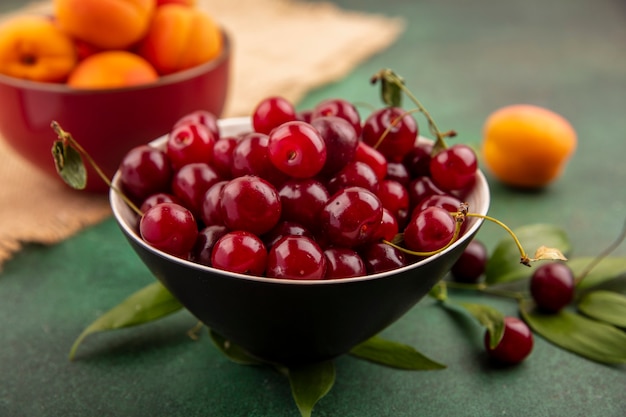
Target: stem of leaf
[606, 252]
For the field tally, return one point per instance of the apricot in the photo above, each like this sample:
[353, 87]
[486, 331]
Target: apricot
[527, 146]
[105, 24]
[34, 48]
[111, 69]
[180, 37]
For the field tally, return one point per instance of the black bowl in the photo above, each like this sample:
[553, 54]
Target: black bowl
[287, 321]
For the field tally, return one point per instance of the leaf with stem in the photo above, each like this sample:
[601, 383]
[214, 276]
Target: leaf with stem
[148, 304]
[394, 354]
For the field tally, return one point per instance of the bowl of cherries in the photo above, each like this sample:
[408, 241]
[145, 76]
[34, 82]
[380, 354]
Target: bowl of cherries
[298, 235]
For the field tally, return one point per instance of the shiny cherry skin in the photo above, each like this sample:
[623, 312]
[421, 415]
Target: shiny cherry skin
[341, 142]
[203, 117]
[395, 198]
[421, 187]
[400, 137]
[552, 286]
[206, 240]
[354, 174]
[210, 210]
[251, 157]
[372, 157]
[169, 227]
[387, 229]
[297, 258]
[472, 263]
[297, 149]
[189, 143]
[381, 257]
[223, 156]
[241, 252]
[144, 171]
[343, 263]
[340, 108]
[417, 160]
[302, 200]
[351, 216]
[191, 182]
[250, 203]
[282, 229]
[158, 198]
[271, 112]
[430, 230]
[516, 344]
[454, 168]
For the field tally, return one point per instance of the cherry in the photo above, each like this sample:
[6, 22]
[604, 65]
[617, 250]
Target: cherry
[241, 252]
[203, 117]
[203, 248]
[251, 157]
[417, 160]
[395, 198]
[446, 201]
[210, 210]
[188, 143]
[421, 187]
[351, 216]
[158, 198]
[396, 171]
[296, 257]
[471, 264]
[302, 200]
[516, 343]
[271, 112]
[169, 227]
[376, 160]
[381, 257]
[250, 203]
[429, 230]
[297, 149]
[387, 229]
[145, 171]
[454, 168]
[340, 108]
[341, 142]
[343, 263]
[223, 156]
[552, 286]
[354, 174]
[191, 182]
[282, 229]
[400, 137]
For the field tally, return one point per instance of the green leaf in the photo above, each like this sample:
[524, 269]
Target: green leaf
[607, 306]
[310, 383]
[394, 354]
[504, 263]
[588, 338]
[148, 304]
[606, 270]
[489, 317]
[69, 164]
[232, 351]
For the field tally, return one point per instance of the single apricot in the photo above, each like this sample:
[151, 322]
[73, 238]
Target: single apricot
[34, 48]
[527, 146]
[180, 37]
[105, 24]
[111, 69]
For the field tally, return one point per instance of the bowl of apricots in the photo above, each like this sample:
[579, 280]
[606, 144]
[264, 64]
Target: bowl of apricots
[114, 73]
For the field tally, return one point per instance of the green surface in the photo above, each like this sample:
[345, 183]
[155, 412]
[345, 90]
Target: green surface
[463, 59]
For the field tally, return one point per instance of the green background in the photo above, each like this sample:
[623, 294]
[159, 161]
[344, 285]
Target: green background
[463, 59]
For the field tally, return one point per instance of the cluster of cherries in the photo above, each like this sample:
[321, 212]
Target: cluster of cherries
[552, 287]
[305, 195]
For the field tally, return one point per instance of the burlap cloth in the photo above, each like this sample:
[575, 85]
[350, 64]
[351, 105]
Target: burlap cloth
[321, 38]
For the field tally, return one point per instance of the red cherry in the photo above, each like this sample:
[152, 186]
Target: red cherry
[189, 143]
[454, 168]
[241, 252]
[271, 112]
[516, 343]
[169, 227]
[297, 149]
[400, 137]
[343, 263]
[430, 230]
[552, 286]
[296, 257]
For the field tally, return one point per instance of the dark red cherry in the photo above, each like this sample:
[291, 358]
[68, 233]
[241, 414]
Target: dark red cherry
[144, 171]
[297, 149]
[191, 182]
[343, 263]
[189, 143]
[340, 108]
[381, 257]
[552, 286]
[370, 156]
[454, 168]
[429, 230]
[271, 112]
[210, 209]
[417, 160]
[241, 252]
[472, 263]
[401, 134]
[302, 200]
[158, 198]
[251, 157]
[223, 156]
[341, 142]
[203, 117]
[516, 343]
[282, 229]
[296, 257]
[169, 227]
[354, 174]
[203, 248]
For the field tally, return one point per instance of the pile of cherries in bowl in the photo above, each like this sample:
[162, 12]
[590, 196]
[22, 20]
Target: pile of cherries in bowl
[307, 195]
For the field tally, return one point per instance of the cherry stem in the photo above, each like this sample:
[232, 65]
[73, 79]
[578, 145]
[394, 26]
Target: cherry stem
[484, 288]
[393, 124]
[67, 138]
[457, 232]
[434, 130]
[194, 332]
[524, 259]
[606, 252]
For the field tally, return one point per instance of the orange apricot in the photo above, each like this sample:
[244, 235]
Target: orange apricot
[180, 37]
[527, 146]
[34, 48]
[106, 24]
[111, 69]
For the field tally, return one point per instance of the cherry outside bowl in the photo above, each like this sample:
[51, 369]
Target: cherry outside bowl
[107, 122]
[287, 321]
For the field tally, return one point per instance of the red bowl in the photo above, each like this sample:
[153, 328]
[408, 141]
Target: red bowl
[107, 123]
